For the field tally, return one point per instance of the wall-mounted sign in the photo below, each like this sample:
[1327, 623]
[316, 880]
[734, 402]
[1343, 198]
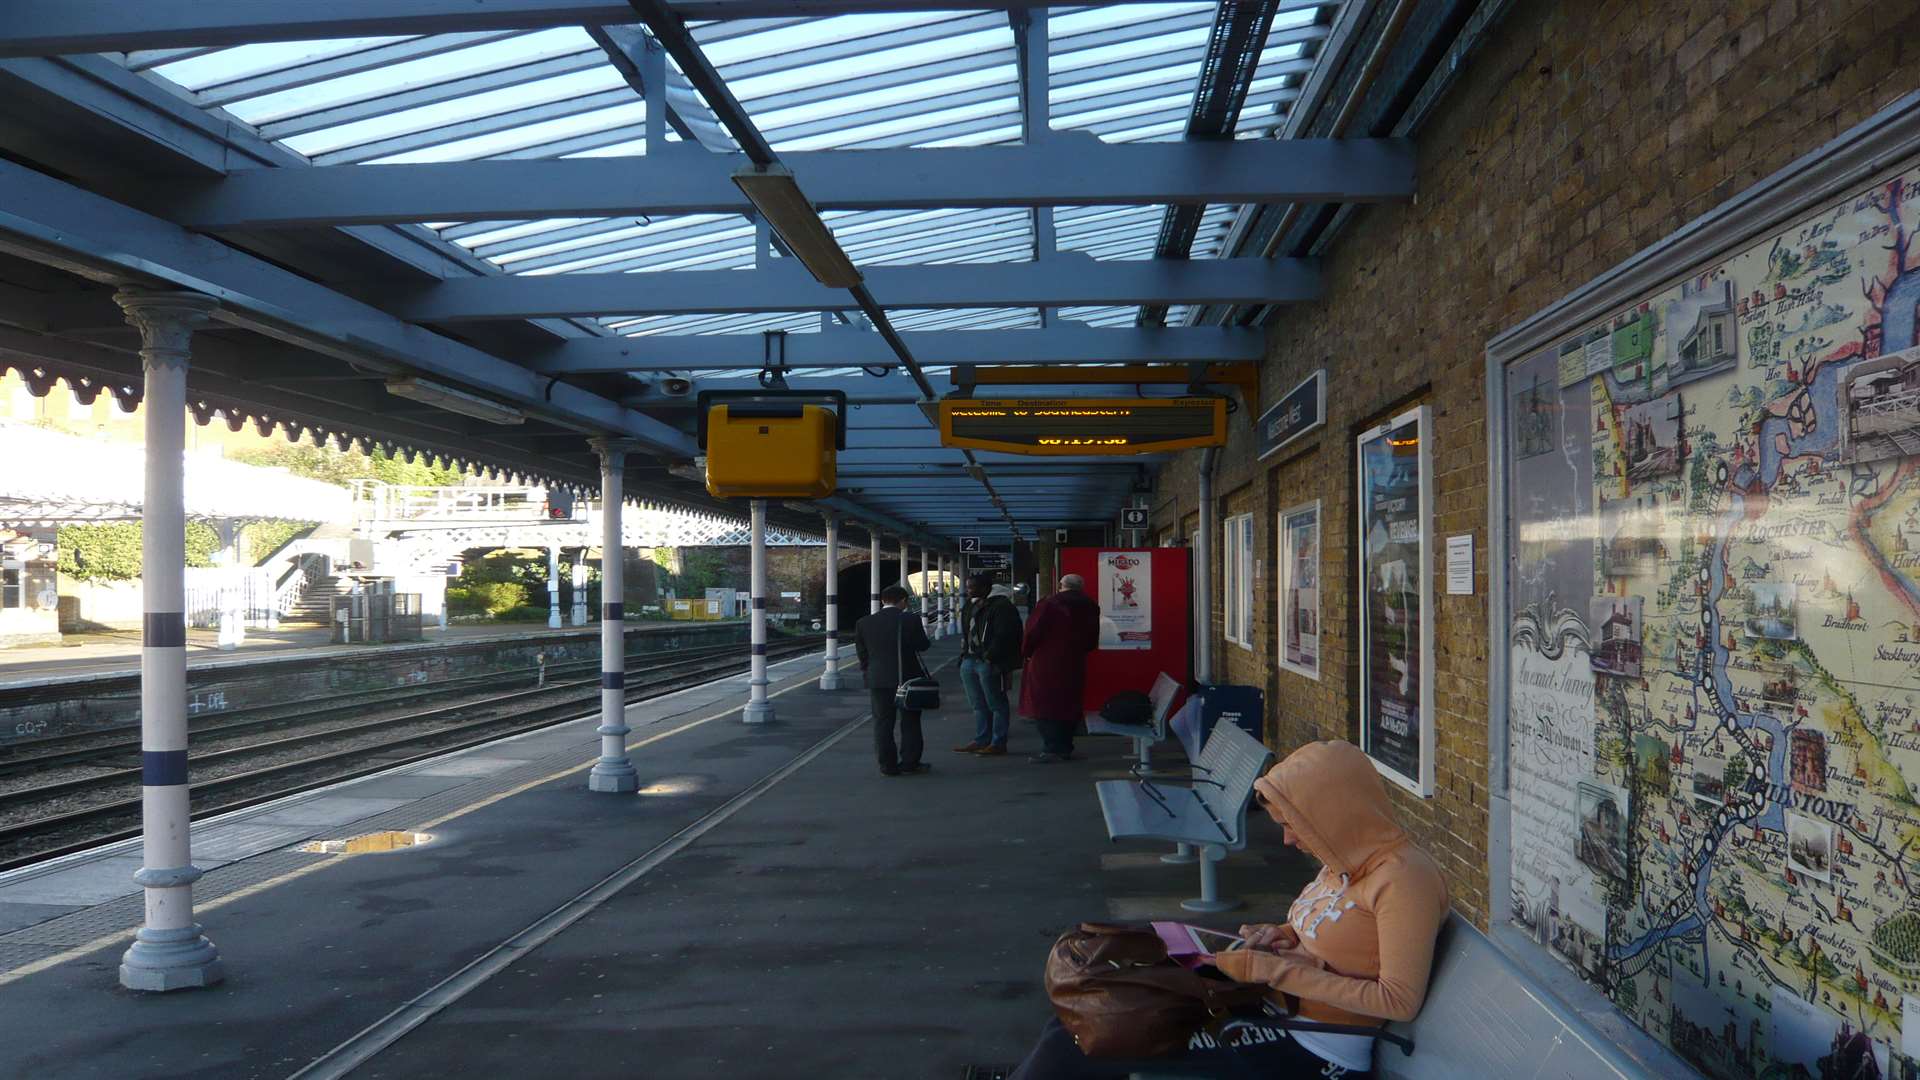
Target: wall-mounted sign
[1303, 409]
[1133, 517]
[1396, 599]
[990, 560]
[1083, 426]
[1126, 600]
[1299, 565]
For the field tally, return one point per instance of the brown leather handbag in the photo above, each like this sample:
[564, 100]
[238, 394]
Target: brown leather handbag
[1120, 996]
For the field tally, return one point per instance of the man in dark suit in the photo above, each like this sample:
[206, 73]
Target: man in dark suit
[888, 641]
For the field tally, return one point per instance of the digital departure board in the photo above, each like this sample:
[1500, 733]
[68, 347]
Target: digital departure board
[1083, 426]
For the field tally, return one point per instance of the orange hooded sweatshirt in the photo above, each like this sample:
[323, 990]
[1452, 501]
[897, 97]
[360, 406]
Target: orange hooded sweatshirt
[1367, 923]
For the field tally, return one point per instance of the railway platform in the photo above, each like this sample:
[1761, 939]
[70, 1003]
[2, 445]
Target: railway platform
[766, 905]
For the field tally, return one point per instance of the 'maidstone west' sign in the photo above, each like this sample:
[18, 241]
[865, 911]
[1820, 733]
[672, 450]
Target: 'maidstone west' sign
[1303, 409]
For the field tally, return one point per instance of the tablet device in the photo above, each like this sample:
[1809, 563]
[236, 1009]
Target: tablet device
[1214, 941]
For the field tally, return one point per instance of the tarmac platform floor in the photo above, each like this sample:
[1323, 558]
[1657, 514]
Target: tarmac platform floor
[768, 905]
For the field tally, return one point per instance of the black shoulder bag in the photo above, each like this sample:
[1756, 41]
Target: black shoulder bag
[919, 694]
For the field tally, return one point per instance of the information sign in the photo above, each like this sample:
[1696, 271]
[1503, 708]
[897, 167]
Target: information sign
[1083, 426]
[1303, 409]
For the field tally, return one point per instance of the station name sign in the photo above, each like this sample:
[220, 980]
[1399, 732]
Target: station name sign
[1083, 426]
[1303, 409]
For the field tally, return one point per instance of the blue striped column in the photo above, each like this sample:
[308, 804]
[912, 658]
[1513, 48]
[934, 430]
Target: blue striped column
[906, 570]
[613, 772]
[873, 571]
[830, 673]
[759, 710]
[168, 952]
[926, 586]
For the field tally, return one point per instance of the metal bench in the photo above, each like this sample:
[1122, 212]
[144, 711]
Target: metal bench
[1144, 736]
[1484, 1016]
[1211, 814]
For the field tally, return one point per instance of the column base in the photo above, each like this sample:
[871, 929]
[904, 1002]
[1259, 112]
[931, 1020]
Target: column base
[613, 777]
[830, 678]
[757, 712]
[178, 959]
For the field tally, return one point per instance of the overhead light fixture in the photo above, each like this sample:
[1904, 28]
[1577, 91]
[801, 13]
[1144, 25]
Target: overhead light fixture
[442, 396]
[773, 192]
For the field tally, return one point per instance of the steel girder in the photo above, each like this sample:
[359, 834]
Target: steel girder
[1057, 282]
[1066, 169]
[76, 26]
[1061, 343]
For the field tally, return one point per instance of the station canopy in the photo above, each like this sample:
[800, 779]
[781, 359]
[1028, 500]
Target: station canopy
[531, 209]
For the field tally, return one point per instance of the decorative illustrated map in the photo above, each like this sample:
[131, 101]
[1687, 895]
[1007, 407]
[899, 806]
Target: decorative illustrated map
[1715, 651]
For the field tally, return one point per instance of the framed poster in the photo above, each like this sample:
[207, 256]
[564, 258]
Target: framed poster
[1126, 600]
[1396, 599]
[1299, 564]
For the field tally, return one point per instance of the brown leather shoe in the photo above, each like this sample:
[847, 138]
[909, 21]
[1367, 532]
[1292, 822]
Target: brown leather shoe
[992, 751]
[971, 748]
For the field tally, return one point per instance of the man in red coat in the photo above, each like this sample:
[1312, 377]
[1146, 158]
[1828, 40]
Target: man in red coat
[1062, 630]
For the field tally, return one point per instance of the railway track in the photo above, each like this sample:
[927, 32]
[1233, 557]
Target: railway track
[105, 744]
[47, 820]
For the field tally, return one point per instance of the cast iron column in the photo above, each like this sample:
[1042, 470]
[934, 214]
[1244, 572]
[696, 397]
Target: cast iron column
[830, 674]
[759, 710]
[873, 571]
[169, 952]
[613, 772]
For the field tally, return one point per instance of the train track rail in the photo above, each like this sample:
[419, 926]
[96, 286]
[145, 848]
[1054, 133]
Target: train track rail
[370, 747]
[123, 741]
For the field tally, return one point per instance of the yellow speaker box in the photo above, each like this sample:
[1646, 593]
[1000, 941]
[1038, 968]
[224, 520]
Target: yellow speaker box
[783, 452]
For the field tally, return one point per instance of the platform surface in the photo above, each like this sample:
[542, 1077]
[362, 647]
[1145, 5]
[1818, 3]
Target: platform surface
[819, 920]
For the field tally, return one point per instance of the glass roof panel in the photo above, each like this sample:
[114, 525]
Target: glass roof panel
[1121, 72]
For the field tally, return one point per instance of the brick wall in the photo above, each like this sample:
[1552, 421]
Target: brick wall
[1579, 134]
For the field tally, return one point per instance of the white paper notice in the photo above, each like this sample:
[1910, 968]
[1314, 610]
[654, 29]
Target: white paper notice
[1126, 600]
[1460, 565]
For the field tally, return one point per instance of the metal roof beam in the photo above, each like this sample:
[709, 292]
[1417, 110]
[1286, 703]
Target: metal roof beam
[1065, 280]
[88, 26]
[1067, 169]
[1061, 343]
[45, 220]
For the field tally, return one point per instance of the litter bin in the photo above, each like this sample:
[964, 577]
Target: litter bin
[1242, 705]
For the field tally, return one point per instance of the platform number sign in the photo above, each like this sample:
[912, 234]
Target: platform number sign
[969, 545]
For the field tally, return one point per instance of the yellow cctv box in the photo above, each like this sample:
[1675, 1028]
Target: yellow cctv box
[753, 452]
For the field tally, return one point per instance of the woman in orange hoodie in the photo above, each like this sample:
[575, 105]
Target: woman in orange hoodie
[1357, 945]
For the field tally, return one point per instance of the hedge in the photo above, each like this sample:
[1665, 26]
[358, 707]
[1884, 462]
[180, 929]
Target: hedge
[111, 551]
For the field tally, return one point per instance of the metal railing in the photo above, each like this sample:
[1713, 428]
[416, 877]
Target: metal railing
[375, 501]
[305, 570]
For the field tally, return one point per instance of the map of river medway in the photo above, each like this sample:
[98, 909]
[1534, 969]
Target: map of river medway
[1715, 654]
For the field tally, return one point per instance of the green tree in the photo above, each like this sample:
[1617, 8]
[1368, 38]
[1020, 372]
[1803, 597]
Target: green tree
[333, 466]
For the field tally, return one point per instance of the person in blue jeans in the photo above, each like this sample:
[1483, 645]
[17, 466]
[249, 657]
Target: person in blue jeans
[989, 654]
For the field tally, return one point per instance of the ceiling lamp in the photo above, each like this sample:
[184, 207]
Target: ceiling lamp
[442, 396]
[774, 193]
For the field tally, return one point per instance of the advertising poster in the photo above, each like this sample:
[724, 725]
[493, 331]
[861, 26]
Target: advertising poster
[1299, 564]
[1712, 684]
[1396, 636]
[1126, 600]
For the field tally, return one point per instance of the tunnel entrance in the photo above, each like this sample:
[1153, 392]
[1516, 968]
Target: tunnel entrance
[855, 599]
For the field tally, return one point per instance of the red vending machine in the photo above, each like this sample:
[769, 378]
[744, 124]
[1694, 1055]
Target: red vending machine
[1145, 617]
